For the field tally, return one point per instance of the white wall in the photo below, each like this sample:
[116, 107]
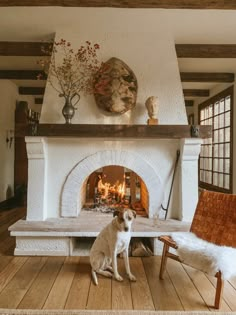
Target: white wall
[142, 39]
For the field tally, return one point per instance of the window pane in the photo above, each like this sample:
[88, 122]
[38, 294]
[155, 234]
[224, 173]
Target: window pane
[227, 134]
[226, 182]
[216, 126]
[227, 119]
[227, 165]
[201, 163]
[201, 176]
[222, 106]
[215, 165]
[216, 148]
[210, 164]
[205, 164]
[216, 139]
[221, 150]
[221, 180]
[210, 110]
[215, 179]
[227, 150]
[216, 109]
[221, 120]
[208, 177]
[227, 103]
[221, 135]
[210, 151]
[221, 165]
[202, 114]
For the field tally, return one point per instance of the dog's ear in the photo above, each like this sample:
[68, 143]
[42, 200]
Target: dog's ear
[134, 213]
[116, 213]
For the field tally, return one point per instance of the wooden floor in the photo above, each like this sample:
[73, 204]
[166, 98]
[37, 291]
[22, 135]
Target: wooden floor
[65, 282]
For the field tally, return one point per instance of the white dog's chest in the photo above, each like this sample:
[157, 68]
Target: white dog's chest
[123, 240]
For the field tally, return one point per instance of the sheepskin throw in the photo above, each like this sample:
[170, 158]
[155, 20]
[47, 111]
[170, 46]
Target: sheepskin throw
[205, 256]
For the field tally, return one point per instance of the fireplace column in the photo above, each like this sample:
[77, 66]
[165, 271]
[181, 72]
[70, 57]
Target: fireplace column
[36, 208]
[190, 150]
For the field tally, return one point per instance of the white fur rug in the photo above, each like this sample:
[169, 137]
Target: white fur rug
[205, 256]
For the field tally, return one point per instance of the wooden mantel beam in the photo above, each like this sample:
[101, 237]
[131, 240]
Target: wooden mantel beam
[167, 4]
[114, 131]
[23, 48]
[205, 50]
[206, 77]
[22, 74]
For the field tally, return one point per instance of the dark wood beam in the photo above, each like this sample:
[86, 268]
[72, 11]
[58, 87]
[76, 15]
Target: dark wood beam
[31, 90]
[205, 51]
[22, 74]
[206, 77]
[23, 48]
[196, 92]
[189, 103]
[167, 4]
[38, 100]
[115, 131]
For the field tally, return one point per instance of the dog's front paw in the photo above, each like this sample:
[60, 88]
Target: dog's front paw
[118, 278]
[132, 277]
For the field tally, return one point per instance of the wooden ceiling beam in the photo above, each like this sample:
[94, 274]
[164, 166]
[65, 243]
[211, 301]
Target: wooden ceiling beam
[206, 77]
[196, 92]
[22, 74]
[23, 48]
[31, 90]
[167, 4]
[205, 51]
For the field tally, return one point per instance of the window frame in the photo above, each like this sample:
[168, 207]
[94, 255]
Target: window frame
[212, 101]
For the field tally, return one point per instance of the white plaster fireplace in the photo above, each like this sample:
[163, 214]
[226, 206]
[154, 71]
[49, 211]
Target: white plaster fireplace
[58, 171]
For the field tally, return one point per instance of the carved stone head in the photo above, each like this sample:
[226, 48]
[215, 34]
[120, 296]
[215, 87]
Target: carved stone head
[152, 106]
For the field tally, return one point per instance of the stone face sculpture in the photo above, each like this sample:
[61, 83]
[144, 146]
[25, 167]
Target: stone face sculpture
[152, 107]
[115, 87]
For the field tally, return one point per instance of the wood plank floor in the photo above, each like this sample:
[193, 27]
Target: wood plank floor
[65, 282]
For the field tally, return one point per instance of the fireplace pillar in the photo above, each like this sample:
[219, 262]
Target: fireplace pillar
[189, 150]
[37, 185]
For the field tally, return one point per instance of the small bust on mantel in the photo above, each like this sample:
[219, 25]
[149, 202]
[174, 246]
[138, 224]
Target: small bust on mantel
[152, 106]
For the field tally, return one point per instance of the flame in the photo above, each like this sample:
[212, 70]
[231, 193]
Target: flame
[106, 188]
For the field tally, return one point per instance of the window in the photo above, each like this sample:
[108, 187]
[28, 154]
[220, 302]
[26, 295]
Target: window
[215, 162]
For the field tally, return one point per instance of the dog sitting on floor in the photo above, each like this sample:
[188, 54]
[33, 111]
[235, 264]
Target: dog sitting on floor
[111, 241]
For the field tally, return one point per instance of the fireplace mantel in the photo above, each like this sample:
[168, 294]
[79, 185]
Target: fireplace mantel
[115, 131]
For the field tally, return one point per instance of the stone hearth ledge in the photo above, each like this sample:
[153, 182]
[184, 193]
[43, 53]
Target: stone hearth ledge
[72, 237]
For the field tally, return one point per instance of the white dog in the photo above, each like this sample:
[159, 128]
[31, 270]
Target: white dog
[112, 240]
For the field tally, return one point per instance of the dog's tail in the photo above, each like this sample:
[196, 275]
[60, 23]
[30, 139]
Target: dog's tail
[94, 276]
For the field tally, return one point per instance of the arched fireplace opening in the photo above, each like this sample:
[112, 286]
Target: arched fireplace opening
[73, 195]
[115, 186]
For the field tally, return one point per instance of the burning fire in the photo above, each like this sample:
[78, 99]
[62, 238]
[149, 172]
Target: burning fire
[106, 189]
